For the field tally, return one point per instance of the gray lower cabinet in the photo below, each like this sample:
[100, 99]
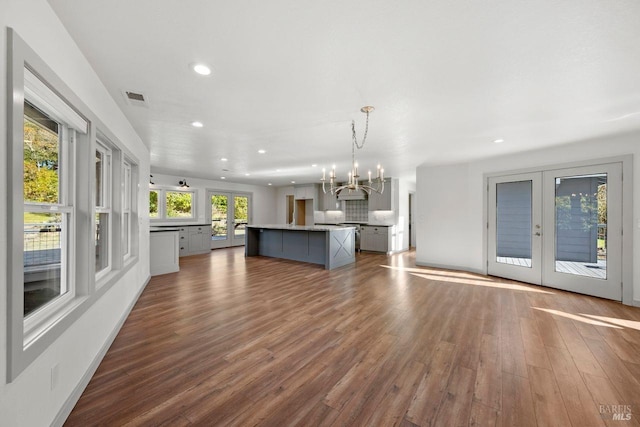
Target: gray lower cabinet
[375, 238]
[194, 239]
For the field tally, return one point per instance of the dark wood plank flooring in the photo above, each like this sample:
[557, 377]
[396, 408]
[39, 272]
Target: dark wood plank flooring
[260, 341]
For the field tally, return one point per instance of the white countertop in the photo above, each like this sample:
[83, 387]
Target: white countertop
[300, 227]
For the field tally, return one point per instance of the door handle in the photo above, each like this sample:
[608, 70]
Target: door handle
[538, 233]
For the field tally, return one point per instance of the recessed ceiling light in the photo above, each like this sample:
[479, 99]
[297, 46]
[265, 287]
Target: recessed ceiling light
[278, 170]
[224, 159]
[223, 177]
[269, 184]
[314, 165]
[197, 124]
[261, 151]
[498, 141]
[201, 69]
[293, 182]
[247, 174]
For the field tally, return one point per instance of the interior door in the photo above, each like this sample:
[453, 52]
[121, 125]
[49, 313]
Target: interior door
[230, 213]
[515, 227]
[583, 230]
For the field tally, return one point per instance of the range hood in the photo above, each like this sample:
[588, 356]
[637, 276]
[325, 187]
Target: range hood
[352, 195]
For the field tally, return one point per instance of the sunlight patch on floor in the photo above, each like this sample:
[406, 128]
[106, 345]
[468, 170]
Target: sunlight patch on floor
[632, 324]
[579, 318]
[508, 286]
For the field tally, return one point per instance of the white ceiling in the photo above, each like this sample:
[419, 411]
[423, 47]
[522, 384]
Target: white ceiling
[447, 78]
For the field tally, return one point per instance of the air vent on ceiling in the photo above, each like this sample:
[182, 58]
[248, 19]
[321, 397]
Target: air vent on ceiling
[135, 98]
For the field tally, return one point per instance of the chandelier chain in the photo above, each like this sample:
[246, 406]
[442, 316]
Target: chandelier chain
[353, 132]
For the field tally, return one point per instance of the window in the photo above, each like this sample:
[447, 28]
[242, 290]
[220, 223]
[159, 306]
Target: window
[170, 204]
[179, 204]
[103, 204]
[154, 206]
[48, 209]
[72, 192]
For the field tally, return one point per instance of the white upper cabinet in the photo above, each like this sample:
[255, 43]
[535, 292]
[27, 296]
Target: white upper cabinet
[304, 192]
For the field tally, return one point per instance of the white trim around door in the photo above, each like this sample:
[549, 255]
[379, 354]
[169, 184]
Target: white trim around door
[562, 227]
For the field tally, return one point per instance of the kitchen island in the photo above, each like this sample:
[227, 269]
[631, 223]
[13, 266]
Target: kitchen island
[329, 245]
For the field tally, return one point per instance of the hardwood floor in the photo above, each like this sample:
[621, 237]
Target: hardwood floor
[260, 341]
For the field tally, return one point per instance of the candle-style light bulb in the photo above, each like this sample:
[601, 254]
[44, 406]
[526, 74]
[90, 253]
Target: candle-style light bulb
[355, 166]
[323, 175]
[369, 177]
[349, 177]
[382, 174]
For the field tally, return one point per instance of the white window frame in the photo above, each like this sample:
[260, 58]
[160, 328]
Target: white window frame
[162, 204]
[28, 338]
[107, 202]
[35, 322]
[127, 203]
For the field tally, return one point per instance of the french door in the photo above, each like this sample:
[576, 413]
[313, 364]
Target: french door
[230, 213]
[559, 228]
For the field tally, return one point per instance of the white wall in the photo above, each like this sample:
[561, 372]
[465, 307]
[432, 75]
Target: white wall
[281, 203]
[450, 200]
[263, 210]
[29, 399]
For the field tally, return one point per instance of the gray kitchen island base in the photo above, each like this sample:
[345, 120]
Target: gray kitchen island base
[331, 246]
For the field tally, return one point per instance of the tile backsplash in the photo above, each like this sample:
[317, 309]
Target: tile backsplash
[356, 210]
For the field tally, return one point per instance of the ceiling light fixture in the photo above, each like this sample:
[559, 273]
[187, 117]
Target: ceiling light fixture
[223, 177]
[262, 151]
[314, 165]
[201, 69]
[183, 183]
[197, 124]
[224, 159]
[269, 184]
[247, 174]
[352, 182]
[498, 141]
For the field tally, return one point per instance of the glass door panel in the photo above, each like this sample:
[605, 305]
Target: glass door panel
[581, 225]
[240, 216]
[514, 227]
[514, 222]
[219, 204]
[583, 216]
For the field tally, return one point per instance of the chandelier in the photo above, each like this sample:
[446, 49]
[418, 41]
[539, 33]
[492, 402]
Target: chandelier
[352, 184]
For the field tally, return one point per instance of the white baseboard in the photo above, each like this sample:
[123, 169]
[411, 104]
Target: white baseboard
[73, 398]
[450, 267]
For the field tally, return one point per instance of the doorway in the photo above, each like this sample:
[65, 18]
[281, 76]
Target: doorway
[559, 228]
[230, 213]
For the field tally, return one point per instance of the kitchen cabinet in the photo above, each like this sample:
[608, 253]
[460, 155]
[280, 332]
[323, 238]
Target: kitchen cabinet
[305, 192]
[194, 239]
[163, 253]
[328, 201]
[375, 238]
[384, 201]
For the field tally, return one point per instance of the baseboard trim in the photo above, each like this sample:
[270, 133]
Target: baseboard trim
[73, 398]
[450, 267]
[636, 303]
